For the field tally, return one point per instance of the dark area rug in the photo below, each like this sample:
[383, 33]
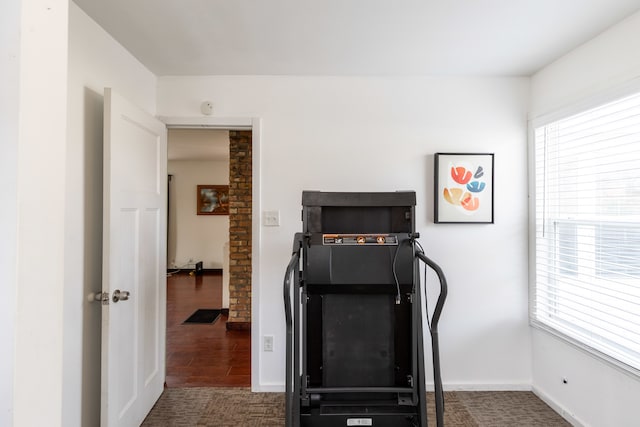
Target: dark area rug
[509, 408]
[204, 315]
[232, 407]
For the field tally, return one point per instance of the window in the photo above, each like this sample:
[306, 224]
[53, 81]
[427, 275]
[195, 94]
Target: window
[587, 230]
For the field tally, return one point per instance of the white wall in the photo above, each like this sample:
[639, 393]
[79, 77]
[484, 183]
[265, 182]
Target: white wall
[9, 141]
[197, 237]
[596, 394]
[36, 289]
[96, 61]
[379, 134]
[604, 63]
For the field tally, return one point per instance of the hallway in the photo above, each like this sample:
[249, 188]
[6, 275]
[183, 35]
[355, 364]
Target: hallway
[203, 355]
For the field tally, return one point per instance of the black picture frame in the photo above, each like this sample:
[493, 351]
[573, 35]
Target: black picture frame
[463, 188]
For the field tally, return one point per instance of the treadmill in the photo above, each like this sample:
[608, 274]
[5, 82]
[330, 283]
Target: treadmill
[354, 306]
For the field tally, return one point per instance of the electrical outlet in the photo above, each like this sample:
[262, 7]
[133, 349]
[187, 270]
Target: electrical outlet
[267, 343]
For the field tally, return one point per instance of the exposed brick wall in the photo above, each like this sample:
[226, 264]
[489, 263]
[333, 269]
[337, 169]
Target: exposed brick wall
[239, 230]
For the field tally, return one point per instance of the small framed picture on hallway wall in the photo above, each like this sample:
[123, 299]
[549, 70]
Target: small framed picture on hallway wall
[212, 200]
[463, 188]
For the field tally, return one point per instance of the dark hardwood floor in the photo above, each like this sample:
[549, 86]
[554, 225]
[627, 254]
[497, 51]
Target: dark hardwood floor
[203, 355]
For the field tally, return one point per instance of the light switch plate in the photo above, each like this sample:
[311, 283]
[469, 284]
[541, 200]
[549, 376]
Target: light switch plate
[271, 218]
[267, 343]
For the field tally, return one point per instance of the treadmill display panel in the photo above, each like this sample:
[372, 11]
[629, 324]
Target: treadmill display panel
[360, 239]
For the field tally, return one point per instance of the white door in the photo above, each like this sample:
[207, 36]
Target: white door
[134, 261]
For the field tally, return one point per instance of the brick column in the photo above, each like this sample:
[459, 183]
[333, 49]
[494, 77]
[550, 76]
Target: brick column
[239, 230]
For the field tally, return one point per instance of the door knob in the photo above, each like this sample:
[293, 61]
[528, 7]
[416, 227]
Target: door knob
[119, 295]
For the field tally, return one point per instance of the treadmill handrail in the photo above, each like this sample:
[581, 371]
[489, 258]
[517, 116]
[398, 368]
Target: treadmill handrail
[433, 329]
[292, 269]
[437, 311]
[295, 260]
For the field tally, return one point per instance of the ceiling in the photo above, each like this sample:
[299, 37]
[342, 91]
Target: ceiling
[353, 37]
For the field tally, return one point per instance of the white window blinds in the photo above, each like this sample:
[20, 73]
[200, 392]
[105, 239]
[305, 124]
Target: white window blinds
[587, 229]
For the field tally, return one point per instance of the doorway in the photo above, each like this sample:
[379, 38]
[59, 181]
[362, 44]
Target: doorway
[216, 353]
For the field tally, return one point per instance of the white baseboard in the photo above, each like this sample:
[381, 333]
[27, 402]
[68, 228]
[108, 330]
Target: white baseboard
[269, 388]
[483, 387]
[562, 411]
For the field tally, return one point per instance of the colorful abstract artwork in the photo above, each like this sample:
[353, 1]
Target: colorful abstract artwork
[463, 188]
